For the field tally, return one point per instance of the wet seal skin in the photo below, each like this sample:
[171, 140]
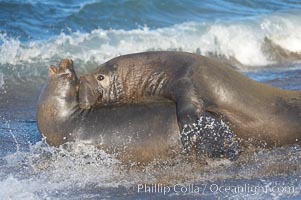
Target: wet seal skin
[136, 133]
[196, 85]
[57, 103]
[136, 105]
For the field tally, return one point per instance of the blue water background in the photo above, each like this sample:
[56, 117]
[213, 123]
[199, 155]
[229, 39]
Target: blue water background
[39, 20]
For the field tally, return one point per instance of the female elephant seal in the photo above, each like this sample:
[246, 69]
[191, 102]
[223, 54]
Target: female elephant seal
[57, 103]
[197, 85]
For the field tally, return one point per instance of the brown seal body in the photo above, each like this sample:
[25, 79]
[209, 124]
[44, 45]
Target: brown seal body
[140, 132]
[57, 103]
[197, 85]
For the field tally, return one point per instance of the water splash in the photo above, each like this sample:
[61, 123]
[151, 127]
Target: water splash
[212, 137]
[81, 171]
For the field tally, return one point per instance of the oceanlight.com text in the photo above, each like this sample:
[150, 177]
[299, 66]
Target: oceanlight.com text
[215, 188]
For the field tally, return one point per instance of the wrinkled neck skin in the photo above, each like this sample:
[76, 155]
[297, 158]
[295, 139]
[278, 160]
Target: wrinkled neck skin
[132, 84]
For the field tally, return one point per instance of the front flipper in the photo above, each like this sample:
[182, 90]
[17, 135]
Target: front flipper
[202, 131]
[189, 110]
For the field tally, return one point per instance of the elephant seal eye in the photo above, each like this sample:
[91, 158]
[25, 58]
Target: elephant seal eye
[100, 77]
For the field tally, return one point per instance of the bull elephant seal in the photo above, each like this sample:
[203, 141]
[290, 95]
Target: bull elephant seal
[197, 85]
[139, 132]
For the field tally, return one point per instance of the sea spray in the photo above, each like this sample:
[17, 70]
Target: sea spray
[211, 137]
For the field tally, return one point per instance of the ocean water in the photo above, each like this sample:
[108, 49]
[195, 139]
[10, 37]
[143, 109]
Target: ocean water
[35, 34]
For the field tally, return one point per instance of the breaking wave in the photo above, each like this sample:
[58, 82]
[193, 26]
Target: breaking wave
[242, 40]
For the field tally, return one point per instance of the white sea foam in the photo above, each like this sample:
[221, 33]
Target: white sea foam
[80, 171]
[46, 171]
[240, 39]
